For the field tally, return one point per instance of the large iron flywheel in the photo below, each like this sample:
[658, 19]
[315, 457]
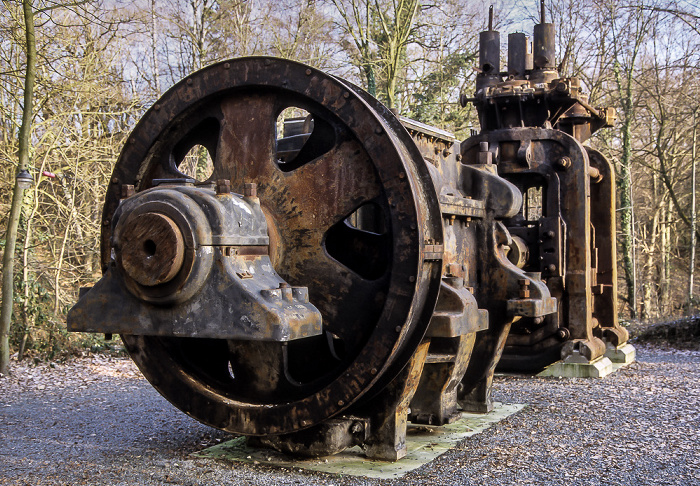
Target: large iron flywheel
[371, 282]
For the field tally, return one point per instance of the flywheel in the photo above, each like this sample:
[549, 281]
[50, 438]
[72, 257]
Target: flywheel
[349, 213]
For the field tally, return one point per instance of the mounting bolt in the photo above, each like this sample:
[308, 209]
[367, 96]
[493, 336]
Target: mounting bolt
[223, 186]
[524, 288]
[549, 234]
[250, 189]
[127, 191]
[563, 333]
[485, 156]
[563, 163]
[551, 268]
[357, 427]
[595, 175]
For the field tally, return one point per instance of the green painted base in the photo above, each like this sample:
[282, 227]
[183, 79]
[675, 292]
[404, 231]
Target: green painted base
[424, 442]
[595, 369]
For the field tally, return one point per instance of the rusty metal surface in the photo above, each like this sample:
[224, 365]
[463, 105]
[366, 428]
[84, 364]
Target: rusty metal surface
[326, 284]
[435, 400]
[388, 410]
[474, 201]
[149, 290]
[534, 123]
[372, 313]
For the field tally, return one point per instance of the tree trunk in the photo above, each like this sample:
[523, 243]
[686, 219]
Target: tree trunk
[15, 208]
[693, 217]
[154, 49]
[371, 80]
[28, 314]
[664, 290]
[648, 268]
[626, 216]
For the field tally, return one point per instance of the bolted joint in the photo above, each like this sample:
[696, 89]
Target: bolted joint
[455, 270]
[485, 156]
[223, 186]
[563, 334]
[595, 175]
[609, 116]
[563, 163]
[524, 288]
[127, 190]
[357, 427]
[250, 189]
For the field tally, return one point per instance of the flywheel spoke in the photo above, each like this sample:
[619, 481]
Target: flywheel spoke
[346, 300]
[166, 170]
[246, 151]
[168, 173]
[330, 188]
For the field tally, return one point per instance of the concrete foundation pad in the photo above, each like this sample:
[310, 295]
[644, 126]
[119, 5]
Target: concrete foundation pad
[622, 355]
[424, 443]
[595, 369]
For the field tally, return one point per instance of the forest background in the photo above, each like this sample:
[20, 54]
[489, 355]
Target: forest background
[101, 64]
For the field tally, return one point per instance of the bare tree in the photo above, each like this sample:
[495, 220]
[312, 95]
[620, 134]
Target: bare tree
[357, 22]
[23, 155]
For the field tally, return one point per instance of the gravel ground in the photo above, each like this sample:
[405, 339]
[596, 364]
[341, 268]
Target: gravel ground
[96, 421]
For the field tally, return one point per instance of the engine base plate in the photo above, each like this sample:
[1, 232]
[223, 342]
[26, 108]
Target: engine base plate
[425, 443]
